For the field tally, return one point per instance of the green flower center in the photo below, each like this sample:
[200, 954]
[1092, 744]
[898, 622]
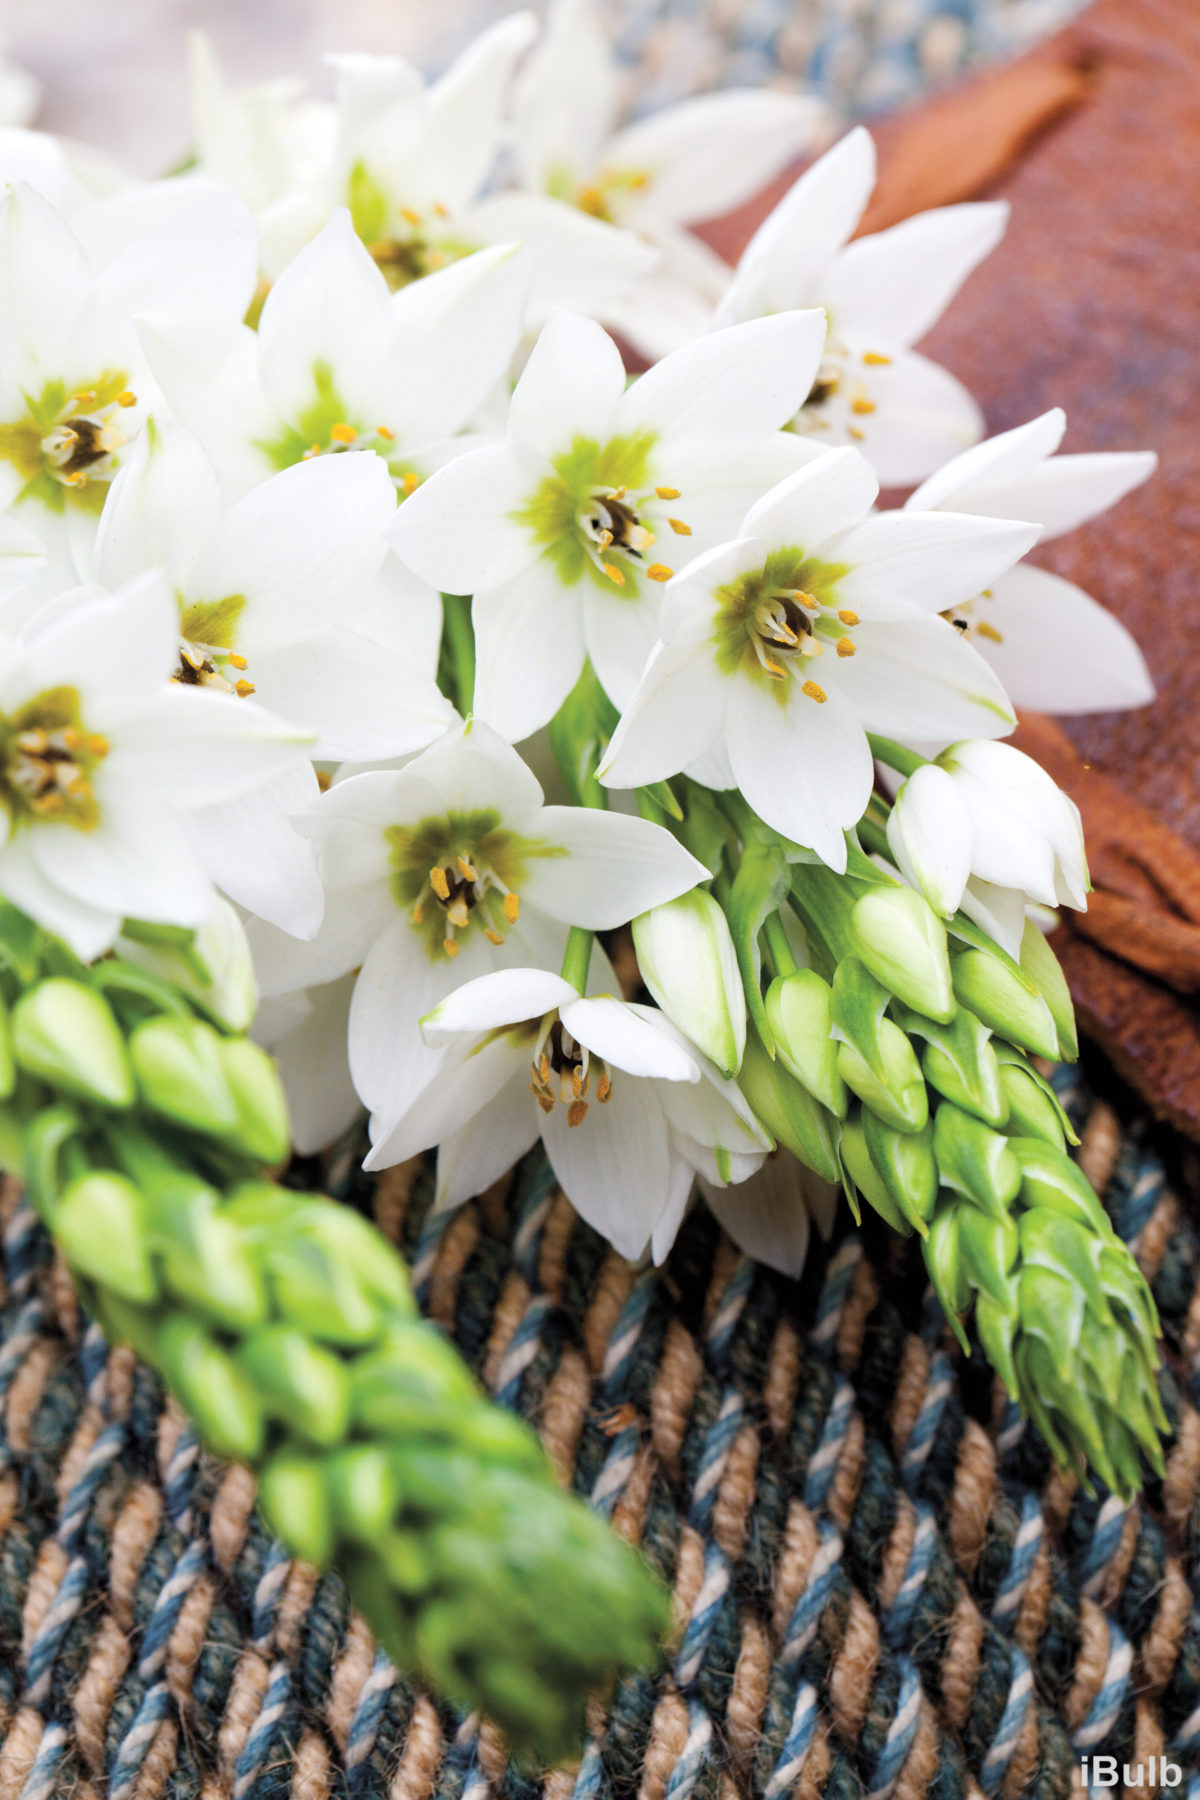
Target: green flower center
[47, 760]
[602, 196]
[404, 243]
[63, 447]
[207, 658]
[461, 872]
[326, 428]
[776, 621]
[600, 513]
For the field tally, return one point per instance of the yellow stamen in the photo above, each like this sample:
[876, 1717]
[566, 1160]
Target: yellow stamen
[243, 689]
[450, 947]
[667, 493]
[47, 805]
[862, 405]
[810, 647]
[876, 358]
[544, 1068]
[439, 210]
[417, 914]
[438, 882]
[604, 1090]
[543, 1100]
[679, 528]
[466, 869]
[343, 434]
[126, 398]
[845, 646]
[98, 745]
[236, 661]
[410, 482]
[854, 432]
[512, 908]
[577, 1081]
[808, 601]
[659, 572]
[989, 631]
[384, 431]
[493, 937]
[412, 218]
[605, 539]
[313, 450]
[325, 782]
[617, 493]
[847, 617]
[84, 395]
[577, 1112]
[814, 692]
[613, 573]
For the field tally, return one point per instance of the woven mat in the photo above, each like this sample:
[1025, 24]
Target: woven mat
[882, 1586]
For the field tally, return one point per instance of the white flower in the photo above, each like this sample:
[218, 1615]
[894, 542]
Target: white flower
[655, 177]
[770, 1214]
[782, 649]
[305, 1031]
[448, 868]
[627, 1110]
[214, 964]
[561, 532]
[882, 294]
[987, 811]
[1053, 647]
[102, 761]
[339, 364]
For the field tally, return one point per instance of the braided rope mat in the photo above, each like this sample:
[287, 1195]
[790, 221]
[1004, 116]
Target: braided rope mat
[882, 1586]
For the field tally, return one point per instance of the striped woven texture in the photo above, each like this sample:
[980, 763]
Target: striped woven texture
[882, 1587]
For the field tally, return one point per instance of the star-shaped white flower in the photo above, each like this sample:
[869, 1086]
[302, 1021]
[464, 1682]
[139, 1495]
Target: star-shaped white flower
[657, 176]
[882, 294]
[445, 869]
[782, 649]
[1054, 648]
[563, 532]
[628, 1111]
[103, 761]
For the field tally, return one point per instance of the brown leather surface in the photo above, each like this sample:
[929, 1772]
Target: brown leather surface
[1093, 303]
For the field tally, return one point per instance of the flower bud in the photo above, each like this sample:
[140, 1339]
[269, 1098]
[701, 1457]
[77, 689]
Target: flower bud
[100, 1223]
[213, 964]
[299, 1383]
[180, 1075]
[899, 1095]
[263, 1129]
[1051, 1180]
[364, 1489]
[788, 1111]
[946, 1266]
[1045, 971]
[1032, 1112]
[207, 1262]
[929, 834]
[798, 1011]
[960, 1063]
[1025, 831]
[211, 1386]
[906, 1161]
[687, 959]
[65, 1034]
[860, 1167]
[975, 1161]
[1004, 1002]
[896, 934]
[295, 1504]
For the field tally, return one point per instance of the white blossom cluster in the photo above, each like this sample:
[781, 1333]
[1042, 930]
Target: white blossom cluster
[332, 512]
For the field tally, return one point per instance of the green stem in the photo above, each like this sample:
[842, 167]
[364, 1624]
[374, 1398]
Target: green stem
[458, 649]
[872, 836]
[896, 756]
[777, 945]
[577, 957]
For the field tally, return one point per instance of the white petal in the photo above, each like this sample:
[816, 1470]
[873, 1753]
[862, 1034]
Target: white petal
[208, 369]
[353, 919]
[922, 416]
[498, 1135]
[613, 868]
[900, 281]
[254, 853]
[163, 504]
[89, 930]
[45, 288]
[783, 263]
[475, 769]
[620, 626]
[804, 766]
[565, 98]
[708, 154]
[627, 1038]
[1059, 651]
[204, 258]
[742, 381]
[326, 319]
[22, 558]
[529, 649]
[206, 747]
[118, 650]
[400, 611]
[455, 1090]
[614, 1167]
[465, 109]
[916, 680]
[680, 1186]
[458, 530]
[363, 702]
[494, 1002]
[825, 496]
[578, 262]
[929, 834]
[722, 478]
[1063, 492]
[1000, 911]
[139, 861]
[677, 713]
[767, 1216]
[570, 387]
[927, 562]
[389, 1059]
[998, 458]
[313, 1067]
[298, 548]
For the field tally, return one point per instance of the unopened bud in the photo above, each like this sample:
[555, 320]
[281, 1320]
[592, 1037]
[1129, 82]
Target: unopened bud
[65, 1034]
[1031, 1111]
[206, 1261]
[897, 935]
[213, 964]
[303, 1385]
[788, 1111]
[263, 1129]
[859, 1166]
[1051, 1180]
[1004, 1002]
[899, 1095]
[180, 1074]
[959, 1061]
[211, 1386]
[906, 1161]
[799, 1014]
[364, 1489]
[295, 1504]
[687, 960]
[1045, 971]
[947, 1269]
[100, 1223]
[974, 1160]
[929, 834]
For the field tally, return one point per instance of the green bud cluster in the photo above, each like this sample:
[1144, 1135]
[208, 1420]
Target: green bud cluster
[285, 1325]
[900, 1065]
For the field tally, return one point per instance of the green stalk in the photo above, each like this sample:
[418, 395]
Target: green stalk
[895, 756]
[778, 948]
[577, 957]
[458, 650]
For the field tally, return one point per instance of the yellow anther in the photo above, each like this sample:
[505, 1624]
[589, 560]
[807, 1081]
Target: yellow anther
[989, 631]
[127, 397]
[845, 646]
[236, 661]
[577, 1112]
[773, 668]
[613, 573]
[98, 745]
[808, 601]
[243, 689]
[814, 692]
[667, 493]
[417, 914]
[577, 1081]
[862, 405]
[438, 882]
[680, 528]
[876, 358]
[616, 493]
[450, 947]
[847, 617]
[342, 433]
[544, 1068]
[313, 450]
[512, 908]
[605, 539]
[83, 396]
[385, 431]
[854, 432]
[544, 1100]
[467, 869]
[439, 210]
[410, 217]
[604, 1090]
[410, 482]
[49, 804]
[493, 937]
[659, 572]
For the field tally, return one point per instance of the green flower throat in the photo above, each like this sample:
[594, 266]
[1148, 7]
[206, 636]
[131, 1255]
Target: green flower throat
[47, 761]
[461, 871]
[600, 513]
[776, 621]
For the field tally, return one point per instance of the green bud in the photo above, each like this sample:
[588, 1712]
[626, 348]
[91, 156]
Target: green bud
[788, 1111]
[1068, 1250]
[686, 955]
[961, 1064]
[298, 1382]
[100, 1223]
[1045, 971]
[1004, 1002]
[65, 1033]
[211, 1386]
[207, 1262]
[180, 1074]
[899, 937]
[974, 1160]
[333, 1274]
[412, 1384]
[997, 1324]
[1050, 1179]
[1031, 1111]
[946, 1266]
[900, 1098]
[906, 1161]
[405, 1562]
[124, 1323]
[263, 1129]
[212, 964]
[859, 1165]
[8, 1067]
[799, 1010]
[364, 1490]
[989, 1245]
[857, 1005]
[295, 1504]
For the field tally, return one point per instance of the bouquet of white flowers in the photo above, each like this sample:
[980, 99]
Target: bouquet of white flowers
[559, 753]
